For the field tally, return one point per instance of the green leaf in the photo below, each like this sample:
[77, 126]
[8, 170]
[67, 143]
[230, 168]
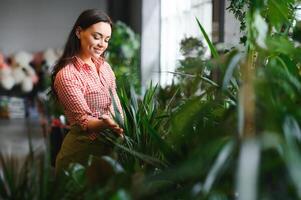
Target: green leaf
[219, 163]
[141, 156]
[280, 44]
[117, 114]
[211, 47]
[234, 63]
[292, 152]
[183, 117]
[77, 172]
[121, 194]
[279, 12]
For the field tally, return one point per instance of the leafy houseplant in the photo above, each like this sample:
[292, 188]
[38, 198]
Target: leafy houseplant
[123, 54]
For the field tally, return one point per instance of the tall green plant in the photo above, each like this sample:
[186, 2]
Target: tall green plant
[143, 125]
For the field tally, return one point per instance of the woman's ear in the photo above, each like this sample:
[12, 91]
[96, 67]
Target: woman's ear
[77, 31]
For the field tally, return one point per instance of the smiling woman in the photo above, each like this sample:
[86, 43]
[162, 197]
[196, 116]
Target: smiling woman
[82, 81]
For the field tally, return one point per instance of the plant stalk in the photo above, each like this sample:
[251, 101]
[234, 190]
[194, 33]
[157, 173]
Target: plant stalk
[247, 97]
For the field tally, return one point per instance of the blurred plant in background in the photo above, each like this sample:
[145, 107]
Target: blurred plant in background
[239, 9]
[123, 54]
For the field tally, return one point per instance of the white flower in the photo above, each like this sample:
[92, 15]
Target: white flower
[50, 57]
[7, 82]
[27, 84]
[18, 74]
[23, 58]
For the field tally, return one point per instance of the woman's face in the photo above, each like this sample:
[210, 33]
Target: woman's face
[94, 40]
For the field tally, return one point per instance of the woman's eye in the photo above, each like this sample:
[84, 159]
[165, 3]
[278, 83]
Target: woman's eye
[96, 37]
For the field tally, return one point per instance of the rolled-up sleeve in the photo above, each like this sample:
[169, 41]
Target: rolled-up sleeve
[70, 94]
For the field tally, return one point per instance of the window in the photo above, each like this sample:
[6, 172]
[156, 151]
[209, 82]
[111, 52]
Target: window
[177, 22]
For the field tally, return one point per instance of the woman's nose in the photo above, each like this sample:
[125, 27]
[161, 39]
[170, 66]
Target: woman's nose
[101, 43]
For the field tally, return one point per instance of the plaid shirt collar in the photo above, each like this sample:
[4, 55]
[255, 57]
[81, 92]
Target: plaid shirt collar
[80, 64]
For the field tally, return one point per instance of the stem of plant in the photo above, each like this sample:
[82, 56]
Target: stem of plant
[247, 96]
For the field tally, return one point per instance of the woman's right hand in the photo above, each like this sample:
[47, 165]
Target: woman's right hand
[109, 123]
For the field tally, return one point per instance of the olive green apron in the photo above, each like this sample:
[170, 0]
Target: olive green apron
[77, 147]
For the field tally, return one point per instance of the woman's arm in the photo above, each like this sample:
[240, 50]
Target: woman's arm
[71, 96]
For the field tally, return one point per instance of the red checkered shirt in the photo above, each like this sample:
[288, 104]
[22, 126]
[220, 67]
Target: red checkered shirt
[84, 93]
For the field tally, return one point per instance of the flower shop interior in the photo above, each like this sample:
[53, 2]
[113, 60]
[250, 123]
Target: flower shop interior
[210, 93]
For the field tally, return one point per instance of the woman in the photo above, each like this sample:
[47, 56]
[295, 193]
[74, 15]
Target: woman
[81, 82]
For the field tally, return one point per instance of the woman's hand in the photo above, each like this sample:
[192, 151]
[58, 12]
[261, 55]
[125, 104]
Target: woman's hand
[109, 123]
[105, 122]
